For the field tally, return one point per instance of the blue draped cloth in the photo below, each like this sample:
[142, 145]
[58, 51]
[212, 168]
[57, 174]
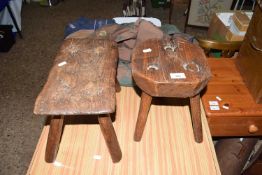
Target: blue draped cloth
[86, 23]
[3, 4]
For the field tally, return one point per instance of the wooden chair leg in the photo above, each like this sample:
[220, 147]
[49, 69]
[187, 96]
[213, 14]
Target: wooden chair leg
[54, 137]
[142, 116]
[110, 137]
[196, 118]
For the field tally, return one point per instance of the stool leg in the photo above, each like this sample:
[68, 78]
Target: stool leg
[196, 118]
[142, 116]
[109, 134]
[54, 136]
[118, 87]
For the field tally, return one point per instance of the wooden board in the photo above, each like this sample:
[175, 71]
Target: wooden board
[170, 68]
[82, 79]
[167, 146]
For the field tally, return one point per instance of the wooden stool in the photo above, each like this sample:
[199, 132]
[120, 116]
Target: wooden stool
[81, 82]
[164, 68]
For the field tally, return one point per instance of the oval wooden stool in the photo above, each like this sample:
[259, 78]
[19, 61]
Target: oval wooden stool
[169, 68]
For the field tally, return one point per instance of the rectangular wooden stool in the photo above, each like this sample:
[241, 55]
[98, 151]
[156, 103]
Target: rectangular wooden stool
[81, 82]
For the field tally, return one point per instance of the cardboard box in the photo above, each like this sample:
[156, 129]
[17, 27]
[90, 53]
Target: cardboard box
[241, 20]
[222, 27]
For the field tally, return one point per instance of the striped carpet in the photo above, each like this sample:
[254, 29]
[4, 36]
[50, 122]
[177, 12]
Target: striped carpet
[167, 146]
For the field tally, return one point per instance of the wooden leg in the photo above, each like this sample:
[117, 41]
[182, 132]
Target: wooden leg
[54, 136]
[196, 118]
[110, 137]
[118, 87]
[142, 116]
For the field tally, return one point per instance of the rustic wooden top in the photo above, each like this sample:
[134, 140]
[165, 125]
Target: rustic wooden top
[82, 79]
[228, 85]
[167, 68]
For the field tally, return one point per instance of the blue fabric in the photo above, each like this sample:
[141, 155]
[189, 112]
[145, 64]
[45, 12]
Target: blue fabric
[3, 4]
[86, 23]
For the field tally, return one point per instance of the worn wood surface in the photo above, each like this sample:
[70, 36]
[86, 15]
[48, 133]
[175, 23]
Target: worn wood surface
[167, 147]
[152, 71]
[109, 134]
[81, 82]
[54, 137]
[196, 117]
[241, 114]
[249, 60]
[170, 68]
[144, 108]
[82, 79]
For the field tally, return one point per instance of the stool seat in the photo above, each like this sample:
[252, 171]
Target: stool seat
[82, 80]
[171, 69]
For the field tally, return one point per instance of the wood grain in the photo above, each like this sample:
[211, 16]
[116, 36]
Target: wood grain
[54, 137]
[109, 134]
[196, 118]
[242, 111]
[144, 108]
[152, 70]
[154, 62]
[167, 147]
[82, 79]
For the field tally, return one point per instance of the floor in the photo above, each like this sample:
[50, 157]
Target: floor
[25, 67]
